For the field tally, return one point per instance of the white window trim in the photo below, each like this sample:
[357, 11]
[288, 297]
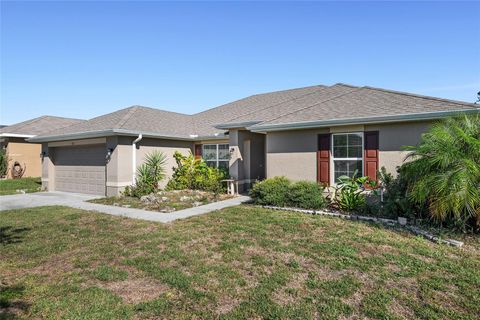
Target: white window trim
[217, 160]
[332, 165]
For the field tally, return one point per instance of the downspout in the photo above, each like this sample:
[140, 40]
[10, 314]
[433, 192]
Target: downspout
[134, 157]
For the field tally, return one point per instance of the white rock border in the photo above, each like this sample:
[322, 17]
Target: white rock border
[388, 222]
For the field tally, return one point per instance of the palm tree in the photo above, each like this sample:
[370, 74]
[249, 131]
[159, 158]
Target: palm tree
[445, 169]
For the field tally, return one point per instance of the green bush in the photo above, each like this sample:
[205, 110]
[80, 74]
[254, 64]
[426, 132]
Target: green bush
[280, 192]
[195, 174]
[3, 163]
[271, 192]
[307, 195]
[396, 202]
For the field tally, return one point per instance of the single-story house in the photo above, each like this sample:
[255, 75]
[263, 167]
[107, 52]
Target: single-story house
[314, 133]
[13, 139]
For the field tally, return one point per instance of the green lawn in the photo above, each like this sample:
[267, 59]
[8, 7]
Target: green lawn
[237, 263]
[11, 186]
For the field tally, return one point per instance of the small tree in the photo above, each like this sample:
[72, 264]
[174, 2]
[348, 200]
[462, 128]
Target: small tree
[445, 170]
[3, 163]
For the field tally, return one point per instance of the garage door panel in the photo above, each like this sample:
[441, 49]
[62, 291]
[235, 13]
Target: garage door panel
[80, 169]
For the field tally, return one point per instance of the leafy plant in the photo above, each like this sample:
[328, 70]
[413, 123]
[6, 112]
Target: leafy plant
[3, 163]
[281, 192]
[396, 202]
[307, 195]
[195, 174]
[271, 192]
[149, 175]
[444, 171]
[349, 194]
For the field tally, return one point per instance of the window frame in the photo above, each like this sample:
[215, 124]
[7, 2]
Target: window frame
[217, 160]
[333, 158]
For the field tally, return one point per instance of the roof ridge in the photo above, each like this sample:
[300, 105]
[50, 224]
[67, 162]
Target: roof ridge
[278, 103]
[157, 109]
[420, 96]
[283, 90]
[127, 116]
[315, 104]
[28, 122]
[68, 118]
[254, 95]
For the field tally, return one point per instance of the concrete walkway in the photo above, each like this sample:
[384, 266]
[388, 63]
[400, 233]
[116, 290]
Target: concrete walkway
[75, 200]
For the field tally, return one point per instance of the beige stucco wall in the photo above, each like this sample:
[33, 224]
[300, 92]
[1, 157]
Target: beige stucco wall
[119, 168]
[293, 153]
[247, 161]
[27, 154]
[168, 147]
[393, 137]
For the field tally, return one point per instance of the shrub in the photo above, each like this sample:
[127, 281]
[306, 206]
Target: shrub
[3, 163]
[445, 171]
[396, 202]
[195, 174]
[349, 194]
[306, 194]
[149, 175]
[271, 192]
[280, 192]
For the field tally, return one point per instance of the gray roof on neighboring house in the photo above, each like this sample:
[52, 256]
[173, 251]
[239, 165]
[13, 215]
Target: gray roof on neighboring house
[295, 108]
[128, 121]
[37, 126]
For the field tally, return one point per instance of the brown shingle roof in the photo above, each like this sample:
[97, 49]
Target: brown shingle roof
[135, 118]
[38, 126]
[315, 103]
[365, 102]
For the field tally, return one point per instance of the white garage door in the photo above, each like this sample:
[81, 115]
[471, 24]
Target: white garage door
[80, 169]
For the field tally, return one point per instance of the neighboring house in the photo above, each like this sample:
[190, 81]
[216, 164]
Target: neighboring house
[315, 133]
[27, 154]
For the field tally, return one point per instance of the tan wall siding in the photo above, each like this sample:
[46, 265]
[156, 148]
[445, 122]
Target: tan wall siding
[168, 147]
[247, 165]
[28, 155]
[393, 137]
[293, 153]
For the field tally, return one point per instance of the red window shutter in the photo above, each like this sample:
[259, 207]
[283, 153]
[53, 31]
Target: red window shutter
[323, 159]
[198, 151]
[371, 154]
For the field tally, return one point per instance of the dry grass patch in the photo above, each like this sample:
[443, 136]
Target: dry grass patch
[133, 291]
[237, 263]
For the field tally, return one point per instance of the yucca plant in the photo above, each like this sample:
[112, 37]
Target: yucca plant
[152, 171]
[444, 171]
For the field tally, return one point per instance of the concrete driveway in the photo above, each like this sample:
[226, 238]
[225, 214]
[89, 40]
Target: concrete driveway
[75, 200]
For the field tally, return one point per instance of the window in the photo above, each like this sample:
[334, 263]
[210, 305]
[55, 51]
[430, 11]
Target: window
[216, 155]
[347, 151]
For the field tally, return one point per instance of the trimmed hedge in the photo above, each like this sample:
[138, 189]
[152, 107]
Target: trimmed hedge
[281, 192]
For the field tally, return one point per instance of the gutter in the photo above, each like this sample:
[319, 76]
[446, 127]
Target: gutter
[236, 125]
[353, 121]
[134, 157]
[106, 133]
[15, 135]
